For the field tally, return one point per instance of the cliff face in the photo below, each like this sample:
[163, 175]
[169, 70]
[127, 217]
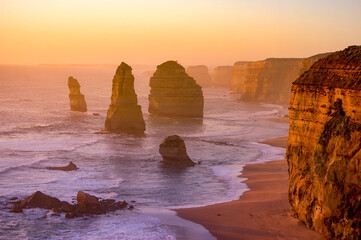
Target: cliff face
[124, 113]
[324, 145]
[269, 80]
[77, 100]
[174, 93]
[200, 74]
[239, 74]
[222, 76]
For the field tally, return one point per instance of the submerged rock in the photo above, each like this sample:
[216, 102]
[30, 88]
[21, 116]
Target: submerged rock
[70, 167]
[87, 204]
[324, 145]
[77, 100]
[200, 74]
[174, 93]
[124, 113]
[173, 151]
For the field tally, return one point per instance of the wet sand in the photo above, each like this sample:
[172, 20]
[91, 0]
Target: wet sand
[261, 213]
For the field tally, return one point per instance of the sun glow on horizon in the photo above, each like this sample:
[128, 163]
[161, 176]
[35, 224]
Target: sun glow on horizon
[193, 32]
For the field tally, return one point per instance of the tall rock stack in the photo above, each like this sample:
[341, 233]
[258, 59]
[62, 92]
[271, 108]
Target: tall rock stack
[222, 76]
[124, 113]
[77, 100]
[174, 93]
[324, 145]
[200, 74]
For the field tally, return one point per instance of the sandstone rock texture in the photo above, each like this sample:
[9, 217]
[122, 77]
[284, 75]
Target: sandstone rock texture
[200, 74]
[173, 151]
[77, 100]
[222, 76]
[324, 145]
[124, 113]
[174, 93]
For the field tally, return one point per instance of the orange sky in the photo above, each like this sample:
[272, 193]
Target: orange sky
[211, 32]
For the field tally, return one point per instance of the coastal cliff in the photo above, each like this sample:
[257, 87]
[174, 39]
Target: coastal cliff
[174, 93]
[77, 100]
[324, 145]
[124, 113]
[269, 80]
[222, 76]
[200, 74]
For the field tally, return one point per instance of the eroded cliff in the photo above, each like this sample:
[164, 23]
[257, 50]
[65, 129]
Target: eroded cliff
[324, 145]
[124, 113]
[269, 80]
[77, 100]
[174, 93]
[200, 74]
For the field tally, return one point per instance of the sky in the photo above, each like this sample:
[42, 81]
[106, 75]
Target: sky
[210, 32]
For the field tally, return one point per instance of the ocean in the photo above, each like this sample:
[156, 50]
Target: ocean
[37, 130]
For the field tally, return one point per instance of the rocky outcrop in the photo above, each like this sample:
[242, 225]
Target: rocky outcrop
[200, 74]
[221, 76]
[124, 113]
[77, 100]
[174, 93]
[86, 204]
[70, 167]
[173, 151]
[324, 145]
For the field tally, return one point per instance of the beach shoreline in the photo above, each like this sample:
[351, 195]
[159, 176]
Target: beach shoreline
[263, 212]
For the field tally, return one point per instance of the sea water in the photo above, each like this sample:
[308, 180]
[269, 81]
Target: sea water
[37, 130]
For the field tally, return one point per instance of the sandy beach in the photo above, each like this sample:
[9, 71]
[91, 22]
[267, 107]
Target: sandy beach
[261, 213]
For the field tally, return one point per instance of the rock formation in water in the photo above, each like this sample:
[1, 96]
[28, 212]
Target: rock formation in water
[324, 145]
[86, 204]
[77, 100]
[269, 80]
[221, 76]
[200, 74]
[174, 93]
[70, 167]
[173, 151]
[124, 113]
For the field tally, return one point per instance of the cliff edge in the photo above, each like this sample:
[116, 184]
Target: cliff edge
[324, 145]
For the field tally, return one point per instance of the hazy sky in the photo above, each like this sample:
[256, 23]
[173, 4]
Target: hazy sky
[211, 32]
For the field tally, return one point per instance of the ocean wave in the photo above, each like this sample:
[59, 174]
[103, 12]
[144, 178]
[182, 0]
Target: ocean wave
[22, 165]
[244, 131]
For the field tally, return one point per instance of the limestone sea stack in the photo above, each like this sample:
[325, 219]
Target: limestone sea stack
[200, 74]
[324, 145]
[124, 113]
[239, 74]
[222, 76]
[77, 100]
[173, 151]
[174, 93]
